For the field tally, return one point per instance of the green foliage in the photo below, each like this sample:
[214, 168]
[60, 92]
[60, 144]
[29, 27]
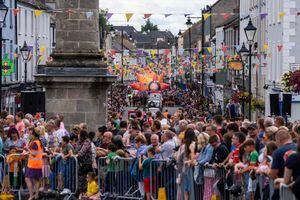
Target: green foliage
[149, 26]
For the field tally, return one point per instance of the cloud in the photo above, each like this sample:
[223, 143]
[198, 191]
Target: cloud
[158, 8]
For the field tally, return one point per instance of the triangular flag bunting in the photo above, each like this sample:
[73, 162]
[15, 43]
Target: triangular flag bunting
[109, 15]
[37, 13]
[281, 14]
[146, 16]
[279, 47]
[298, 13]
[167, 15]
[224, 49]
[265, 46]
[263, 15]
[16, 11]
[226, 15]
[128, 16]
[209, 49]
[206, 16]
[89, 14]
[237, 48]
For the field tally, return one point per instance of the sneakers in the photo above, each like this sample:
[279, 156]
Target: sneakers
[65, 191]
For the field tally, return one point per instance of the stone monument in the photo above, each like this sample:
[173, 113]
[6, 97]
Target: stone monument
[76, 81]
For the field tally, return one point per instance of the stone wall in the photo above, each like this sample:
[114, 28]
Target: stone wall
[75, 31]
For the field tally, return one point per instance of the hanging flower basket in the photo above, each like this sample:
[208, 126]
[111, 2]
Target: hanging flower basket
[291, 81]
[258, 104]
[240, 97]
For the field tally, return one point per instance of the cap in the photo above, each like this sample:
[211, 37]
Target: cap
[252, 126]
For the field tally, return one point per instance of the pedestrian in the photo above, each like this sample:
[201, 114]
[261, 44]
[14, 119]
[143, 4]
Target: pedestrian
[35, 164]
[144, 165]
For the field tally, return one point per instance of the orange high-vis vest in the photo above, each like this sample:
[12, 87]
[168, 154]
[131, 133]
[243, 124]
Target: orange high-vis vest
[36, 161]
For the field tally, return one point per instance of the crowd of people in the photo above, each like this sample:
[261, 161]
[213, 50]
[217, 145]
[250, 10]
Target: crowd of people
[267, 147]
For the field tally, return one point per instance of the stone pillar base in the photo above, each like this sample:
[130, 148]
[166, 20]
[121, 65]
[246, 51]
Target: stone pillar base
[77, 98]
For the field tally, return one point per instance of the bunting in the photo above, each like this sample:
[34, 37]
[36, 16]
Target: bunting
[38, 13]
[279, 47]
[146, 16]
[16, 11]
[167, 15]
[108, 15]
[281, 14]
[206, 16]
[128, 16]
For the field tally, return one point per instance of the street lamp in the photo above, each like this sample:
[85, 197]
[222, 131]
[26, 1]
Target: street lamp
[3, 14]
[250, 32]
[189, 24]
[244, 52]
[25, 52]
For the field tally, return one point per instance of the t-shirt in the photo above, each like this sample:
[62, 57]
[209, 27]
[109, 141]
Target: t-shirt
[278, 157]
[111, 166]
[20, 126]
[167, 149]
[253, 158]
[293, 163]
[235, 154]
[219, 154]
[92, 188]
[67, 148]
[146, 167]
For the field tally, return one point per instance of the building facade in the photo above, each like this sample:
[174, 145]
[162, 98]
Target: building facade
[283, 25]
[25, 25]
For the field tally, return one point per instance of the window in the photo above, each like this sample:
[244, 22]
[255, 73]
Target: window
[32, 23]
[11, 14]
[25, 17]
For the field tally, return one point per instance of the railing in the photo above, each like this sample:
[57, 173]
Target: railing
[56, 171]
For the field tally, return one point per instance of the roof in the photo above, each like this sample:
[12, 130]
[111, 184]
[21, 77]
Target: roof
[39, 4]
[148, 40]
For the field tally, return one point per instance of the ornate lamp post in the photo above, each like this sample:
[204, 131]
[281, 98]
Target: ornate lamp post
[25, 52]
[189, 24]
[250, 31]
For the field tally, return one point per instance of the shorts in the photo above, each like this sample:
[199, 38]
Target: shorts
[147, 184]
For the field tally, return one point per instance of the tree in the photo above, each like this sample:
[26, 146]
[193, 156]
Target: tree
[149, 26]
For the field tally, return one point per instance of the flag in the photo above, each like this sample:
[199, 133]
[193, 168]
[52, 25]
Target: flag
[206, 16]
[146, 16]
[109, 15]
[265, 46]
[16, 11]
[279, 47]
[209, 49]
[281, 14]
[263, 15]
[128, 16]
[226, 15]
[167, 15]
[37, 13]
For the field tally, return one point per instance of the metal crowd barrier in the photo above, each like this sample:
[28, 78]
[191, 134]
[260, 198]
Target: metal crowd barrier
[62, 173]
[115, 179]
[56, 172]
[286, 193]
[170, 181]
[163, 180]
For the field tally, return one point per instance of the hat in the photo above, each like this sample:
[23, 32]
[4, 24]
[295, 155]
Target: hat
[252, 126]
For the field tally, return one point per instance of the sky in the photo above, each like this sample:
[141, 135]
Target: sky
[157, 8]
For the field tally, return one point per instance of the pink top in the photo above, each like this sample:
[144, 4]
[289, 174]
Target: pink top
[20, 126]
[62, 125]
